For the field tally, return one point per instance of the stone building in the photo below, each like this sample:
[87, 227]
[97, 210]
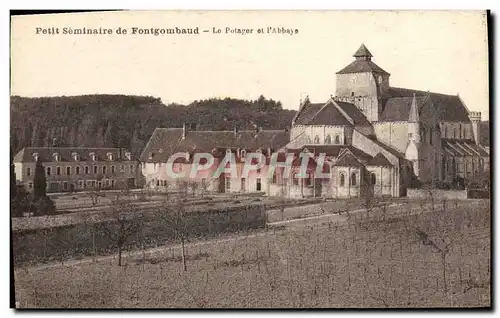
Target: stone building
[187, 141]
[389, 138]
[79, 169]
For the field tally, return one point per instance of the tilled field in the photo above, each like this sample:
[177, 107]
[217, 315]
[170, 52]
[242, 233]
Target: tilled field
[412, 255]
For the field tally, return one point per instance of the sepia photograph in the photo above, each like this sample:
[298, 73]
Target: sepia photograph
[250, 160]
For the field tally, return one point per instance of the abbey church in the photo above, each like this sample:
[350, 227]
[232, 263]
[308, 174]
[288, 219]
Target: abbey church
[392, 136]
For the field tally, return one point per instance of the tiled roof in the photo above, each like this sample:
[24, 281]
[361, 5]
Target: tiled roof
[332, 150]
[398, 108]
[379, 160]
[166, 141]
[362, 52]
[390, 149]
[321, 114]
[463, 147]
[362, 66]
[348, 160]
[328, 114]
[450, 107]
[306, 114]
[46, 154]
[355, 113]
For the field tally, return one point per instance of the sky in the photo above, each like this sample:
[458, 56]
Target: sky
[440, 51]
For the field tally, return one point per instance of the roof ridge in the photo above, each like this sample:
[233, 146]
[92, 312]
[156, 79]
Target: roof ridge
[421, 91]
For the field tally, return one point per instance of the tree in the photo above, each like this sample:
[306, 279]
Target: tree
[175, 218]
[122, 221]
[39, 181]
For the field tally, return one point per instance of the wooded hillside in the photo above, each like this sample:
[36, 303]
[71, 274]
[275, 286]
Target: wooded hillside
[128, 121]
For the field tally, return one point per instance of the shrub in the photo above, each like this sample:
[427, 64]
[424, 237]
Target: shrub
[444, 185]
[44, 206]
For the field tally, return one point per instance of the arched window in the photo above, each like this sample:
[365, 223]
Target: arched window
[430, 136]
[308, 139]
[316, 139]
[342, 180]
[328, 139]
[454, 132]
[337, 139]
[353, 178]
[373, 178]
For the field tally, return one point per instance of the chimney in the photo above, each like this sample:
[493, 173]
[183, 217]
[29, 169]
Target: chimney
[184, 131]
[475, 118]
[235, 129]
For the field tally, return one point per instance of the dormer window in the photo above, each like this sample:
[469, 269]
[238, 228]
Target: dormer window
[109, 155]
[35, 156]
[92, 156]
[56, 156]
[75, 156]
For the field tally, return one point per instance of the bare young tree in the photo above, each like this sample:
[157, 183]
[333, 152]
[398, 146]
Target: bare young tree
[439, 235]
[173, 216]
[203, 187]
[120, 222]
[193, 186]
[166, 189]
[438, 244]
[95, 196]
[183, 187]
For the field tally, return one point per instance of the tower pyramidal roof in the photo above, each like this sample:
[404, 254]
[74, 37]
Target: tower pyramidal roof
[363, 63]
[363, 52]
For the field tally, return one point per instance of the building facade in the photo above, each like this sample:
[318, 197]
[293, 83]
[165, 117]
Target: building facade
[79, 169]
[167, 142]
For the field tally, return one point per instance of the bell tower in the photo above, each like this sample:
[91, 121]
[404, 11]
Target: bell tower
[363, 83]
